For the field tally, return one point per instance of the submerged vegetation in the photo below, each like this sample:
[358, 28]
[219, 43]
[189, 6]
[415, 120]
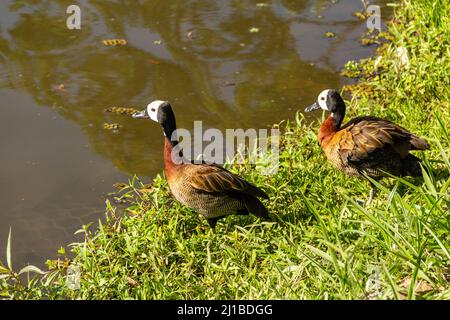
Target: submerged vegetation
[321, 243]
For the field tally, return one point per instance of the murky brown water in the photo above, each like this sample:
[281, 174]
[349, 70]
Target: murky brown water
[57, 161]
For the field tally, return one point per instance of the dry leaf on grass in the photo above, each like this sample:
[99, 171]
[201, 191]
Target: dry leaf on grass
[421, 286]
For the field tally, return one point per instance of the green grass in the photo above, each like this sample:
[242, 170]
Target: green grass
[321, 244]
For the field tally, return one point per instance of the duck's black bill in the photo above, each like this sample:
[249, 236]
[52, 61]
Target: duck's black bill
[312, 107]
[140, 115]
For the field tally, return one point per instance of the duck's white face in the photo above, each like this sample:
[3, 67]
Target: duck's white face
[323, 99]
[153, 108]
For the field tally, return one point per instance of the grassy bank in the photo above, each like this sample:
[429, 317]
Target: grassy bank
[321, 244]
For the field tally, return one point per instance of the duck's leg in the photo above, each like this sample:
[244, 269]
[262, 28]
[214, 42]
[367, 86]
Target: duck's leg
[212, 222]
[372, 193]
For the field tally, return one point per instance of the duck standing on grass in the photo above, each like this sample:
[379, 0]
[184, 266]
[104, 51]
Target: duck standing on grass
[366, 146]
[209, 189]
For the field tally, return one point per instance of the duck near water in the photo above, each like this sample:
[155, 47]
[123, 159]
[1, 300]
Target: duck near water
[366, 146]
[209, 189]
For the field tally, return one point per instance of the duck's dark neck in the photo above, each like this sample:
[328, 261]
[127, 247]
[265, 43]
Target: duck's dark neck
[336, 120]
[169, 128]
[338, 113]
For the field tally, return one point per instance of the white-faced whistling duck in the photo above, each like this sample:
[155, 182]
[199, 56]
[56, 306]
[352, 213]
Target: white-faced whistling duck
[366, 145]
[209, 189]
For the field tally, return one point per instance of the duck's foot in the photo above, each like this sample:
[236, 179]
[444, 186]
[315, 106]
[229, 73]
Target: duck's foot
[212, 223]
[367, 203]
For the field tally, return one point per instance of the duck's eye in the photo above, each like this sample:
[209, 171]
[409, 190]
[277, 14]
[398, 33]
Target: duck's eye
[153, 109]
[322, 98]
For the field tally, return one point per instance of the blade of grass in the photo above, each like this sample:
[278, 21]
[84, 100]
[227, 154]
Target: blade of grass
[8, 251]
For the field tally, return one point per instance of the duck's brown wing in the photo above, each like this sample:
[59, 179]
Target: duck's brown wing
[212, 178]
[373, 140]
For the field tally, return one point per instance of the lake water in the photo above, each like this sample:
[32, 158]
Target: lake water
[231, 64]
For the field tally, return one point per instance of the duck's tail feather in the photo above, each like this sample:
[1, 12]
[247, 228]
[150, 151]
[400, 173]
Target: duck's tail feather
[254, 206]
[418, 143]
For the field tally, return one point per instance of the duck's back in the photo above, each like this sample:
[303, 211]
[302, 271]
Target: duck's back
[370, 145]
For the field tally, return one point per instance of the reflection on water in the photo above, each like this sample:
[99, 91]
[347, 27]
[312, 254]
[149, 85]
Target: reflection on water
[231, 64]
